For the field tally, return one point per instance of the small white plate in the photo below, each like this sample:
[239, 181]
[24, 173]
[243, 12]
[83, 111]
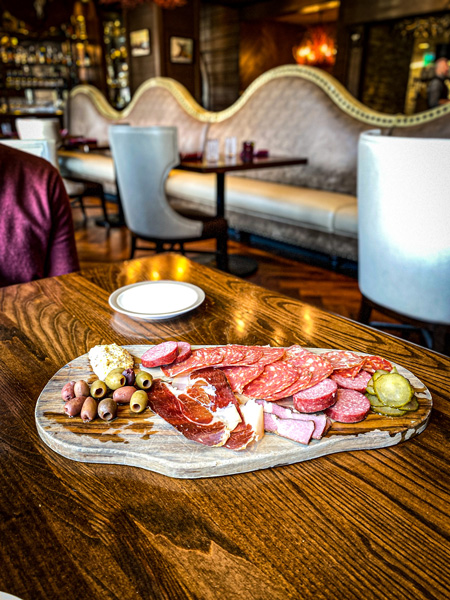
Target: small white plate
[151, 300]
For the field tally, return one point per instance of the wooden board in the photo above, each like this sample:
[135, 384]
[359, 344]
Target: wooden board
[147, 441]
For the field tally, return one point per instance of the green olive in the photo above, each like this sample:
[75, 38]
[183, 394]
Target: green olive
[98, 389]
[139, 401]
[144, 380]
[115, 379]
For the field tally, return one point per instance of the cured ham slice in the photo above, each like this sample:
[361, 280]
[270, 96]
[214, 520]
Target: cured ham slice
[201, 427]
[298, 431]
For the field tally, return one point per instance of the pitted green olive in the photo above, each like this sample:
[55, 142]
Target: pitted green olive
[139, 401]
[144, 380]
[115, 379]
[98, 389]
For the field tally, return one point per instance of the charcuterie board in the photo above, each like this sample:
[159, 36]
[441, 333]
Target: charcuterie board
[145, 440]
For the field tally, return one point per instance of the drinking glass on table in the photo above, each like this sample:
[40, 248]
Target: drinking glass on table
[212, 150]
[230, 147]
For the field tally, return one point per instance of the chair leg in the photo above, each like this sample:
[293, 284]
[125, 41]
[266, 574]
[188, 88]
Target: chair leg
[365, 311]
[133, 245]
[101, 194]
[222, 252]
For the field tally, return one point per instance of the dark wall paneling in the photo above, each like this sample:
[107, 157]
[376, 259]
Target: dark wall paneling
[219, 56]
[358, 11]
[143, 67]
[265, 45]
[386, 69]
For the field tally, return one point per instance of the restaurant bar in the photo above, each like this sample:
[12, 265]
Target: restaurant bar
[224, 299]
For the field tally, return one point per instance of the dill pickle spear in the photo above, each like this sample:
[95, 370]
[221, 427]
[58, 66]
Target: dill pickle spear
[393, 390]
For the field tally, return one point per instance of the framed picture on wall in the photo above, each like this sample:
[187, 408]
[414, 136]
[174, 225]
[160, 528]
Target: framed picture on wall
[140, 42]
[181, 50]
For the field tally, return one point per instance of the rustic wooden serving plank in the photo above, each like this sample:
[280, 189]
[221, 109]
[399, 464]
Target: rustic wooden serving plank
[147, 441]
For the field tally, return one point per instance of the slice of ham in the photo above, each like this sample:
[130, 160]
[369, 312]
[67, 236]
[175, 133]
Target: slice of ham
[298, 431]
[321, 422]
[175, 408]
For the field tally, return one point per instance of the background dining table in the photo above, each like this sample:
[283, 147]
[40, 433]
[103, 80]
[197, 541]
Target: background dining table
[362, 524]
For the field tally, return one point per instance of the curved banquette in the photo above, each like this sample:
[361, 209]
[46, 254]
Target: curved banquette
[290, 110]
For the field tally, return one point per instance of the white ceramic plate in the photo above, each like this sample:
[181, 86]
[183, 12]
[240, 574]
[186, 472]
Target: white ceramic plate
[151, 300]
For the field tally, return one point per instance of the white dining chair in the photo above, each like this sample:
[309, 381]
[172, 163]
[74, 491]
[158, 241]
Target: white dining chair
[404, 231]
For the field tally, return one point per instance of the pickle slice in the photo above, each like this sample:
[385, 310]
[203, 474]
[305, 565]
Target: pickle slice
[393, 390]
[370, 390]
[412, 405]
[378, 373]
[389, 411]
[374, 400]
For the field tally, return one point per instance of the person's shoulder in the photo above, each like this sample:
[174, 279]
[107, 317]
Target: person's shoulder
[16, 159]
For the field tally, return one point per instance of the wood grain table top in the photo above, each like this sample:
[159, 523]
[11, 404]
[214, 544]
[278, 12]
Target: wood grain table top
[362, 524]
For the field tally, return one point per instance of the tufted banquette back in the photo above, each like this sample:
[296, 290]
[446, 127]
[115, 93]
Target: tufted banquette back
[290, 110]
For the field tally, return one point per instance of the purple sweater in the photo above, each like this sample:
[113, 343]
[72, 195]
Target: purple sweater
[36, 228]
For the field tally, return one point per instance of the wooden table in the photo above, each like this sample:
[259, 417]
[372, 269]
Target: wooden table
[366, 524]
[237, 264]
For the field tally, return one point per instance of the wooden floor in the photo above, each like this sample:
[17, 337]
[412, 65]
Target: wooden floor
[306, 278]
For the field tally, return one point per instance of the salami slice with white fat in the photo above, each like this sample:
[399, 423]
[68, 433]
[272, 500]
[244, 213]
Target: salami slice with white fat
[358, 383]
[270, 355]
[239, 377]
[345, 359]
[317, 398]
[374, 363]
[184, 350]
[162, 354]
[199, 359]
[350, 407]
[275, 377]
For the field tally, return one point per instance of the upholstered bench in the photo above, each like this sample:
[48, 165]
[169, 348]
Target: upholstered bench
[290, 110]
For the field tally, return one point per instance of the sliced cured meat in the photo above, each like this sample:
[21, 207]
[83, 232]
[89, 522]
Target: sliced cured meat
[321, 422]
[270, 355]
[345, 359]
[250, 429]
[239, 377]
[294, 355]
[374, 363]
[319, 397]
[319, 367]
[358, 383]
[240, 437]
[350, 407]
[161, 354]
[298, 431]
[252, 355]
[200, 358]
[231, 354]
[210, 388]
[275, 377]
[184, 350]
[205, 429]
[303, 381]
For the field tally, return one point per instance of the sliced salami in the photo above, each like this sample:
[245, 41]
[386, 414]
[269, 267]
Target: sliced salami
[275, 377]
[239, 377]
[232, 354]
[374, 363]
[184, 351]
[358, 383]
[251, 357]
[344, 359]
[316, 398]
[302, 383]
[270, 355]
[350, 407]
[199, 359]
[162, 354]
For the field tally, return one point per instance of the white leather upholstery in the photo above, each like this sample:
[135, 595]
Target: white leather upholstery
[403, 224]
[274, 201]
[40, 147]
[98, 168]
